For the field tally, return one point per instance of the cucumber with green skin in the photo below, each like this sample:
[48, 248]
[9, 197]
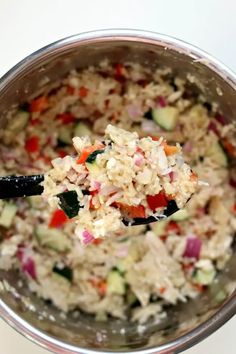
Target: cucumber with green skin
[52, 238]
[166, 117]
[65, 272]
[204, 277]
[180, 215]
[69, 203]
[92, 157]
[8, 214]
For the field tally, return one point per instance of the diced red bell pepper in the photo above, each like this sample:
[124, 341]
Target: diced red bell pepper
[32, 144]
[169, 149]
[87, 151]
[66, 117]
[132, 211]
[157, 201]
[39, 104]
[193, 177]
[162, 290]
[100, 285]
[58, 219]
[234, 208]
[83, 92]
[173, 227]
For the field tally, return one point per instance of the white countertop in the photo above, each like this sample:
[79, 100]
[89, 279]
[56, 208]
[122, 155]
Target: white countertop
[27, 25]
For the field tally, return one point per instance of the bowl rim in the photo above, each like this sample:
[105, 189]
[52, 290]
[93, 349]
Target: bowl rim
[228, 309]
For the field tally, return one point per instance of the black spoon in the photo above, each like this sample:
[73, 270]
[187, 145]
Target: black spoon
[24, 186]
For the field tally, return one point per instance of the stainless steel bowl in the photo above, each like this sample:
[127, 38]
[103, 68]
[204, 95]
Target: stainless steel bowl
[186, 324]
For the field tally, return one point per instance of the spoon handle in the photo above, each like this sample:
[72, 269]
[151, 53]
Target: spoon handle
[20, 186]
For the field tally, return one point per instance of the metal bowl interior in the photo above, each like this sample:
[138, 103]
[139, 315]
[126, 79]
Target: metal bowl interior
[187, 323]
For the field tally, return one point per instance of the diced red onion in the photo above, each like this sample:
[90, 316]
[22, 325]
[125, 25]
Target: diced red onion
[188, 147]
[161, 101]
[108, 190]
[138, 159]
[134, 111]
[221, 119]
[173, 176]
[87, 237]
[122, 252]
[27, 262]
[96, 185]
[193, 248]
[212, 127]
[149, 126]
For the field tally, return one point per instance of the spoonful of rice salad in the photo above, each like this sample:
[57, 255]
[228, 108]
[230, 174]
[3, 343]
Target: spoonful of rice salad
[121, 181]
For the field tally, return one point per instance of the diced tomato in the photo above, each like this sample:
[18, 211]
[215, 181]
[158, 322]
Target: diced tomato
[61, 153]
[162, 290]
[199, 287]
[58, 219]
[46, 159]
[35, 121]
[157, 201]
[173, 227]
[230, 149]
[154, 137]
[119, 71]
[66, 117]
[87, 151]
[169, 149]
[83, 92]
[100, 285]
[32, 144]
[70, 90]
[187, 267]
[97, 241]
[163, 238]
[39, 104]
[132, 211]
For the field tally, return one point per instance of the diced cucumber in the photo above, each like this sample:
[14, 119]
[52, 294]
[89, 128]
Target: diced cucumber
[19, 122]
[93, 168]
[52, 238]
[8, 214]
[166, 117]
[204, 277]
[216, 153]
[180, 215]
[82, 129]
[69, 203]
[64, 272]
[115, 283]
[131, 298]
[65, 135]
[159, 227]
[35, 201]
[92, 157]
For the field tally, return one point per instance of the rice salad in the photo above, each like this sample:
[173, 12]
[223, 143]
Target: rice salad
[118, 181]
[144, 268]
